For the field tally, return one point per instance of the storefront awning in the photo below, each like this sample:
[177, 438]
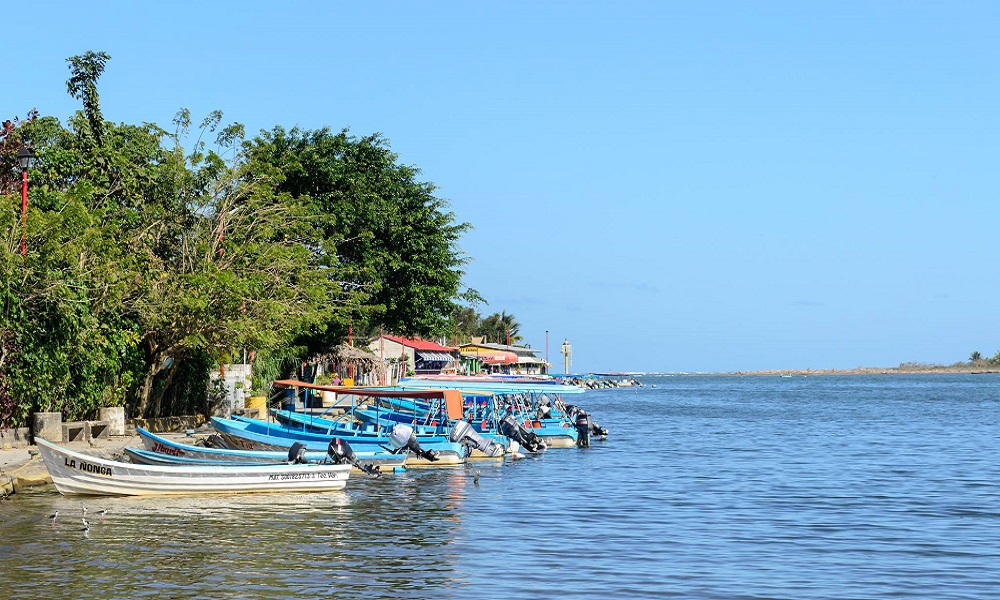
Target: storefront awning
[434, 356]
[529, 360]
[498, 358]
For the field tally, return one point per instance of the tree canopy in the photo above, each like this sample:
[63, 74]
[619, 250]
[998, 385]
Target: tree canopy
[152, 257]
[396, 243]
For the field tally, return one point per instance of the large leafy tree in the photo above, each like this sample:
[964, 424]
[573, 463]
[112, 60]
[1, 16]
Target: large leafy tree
[144, 257]
[388, 238]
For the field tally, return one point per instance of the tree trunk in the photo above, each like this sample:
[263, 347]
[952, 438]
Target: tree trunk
[158, 404]
[157, 363]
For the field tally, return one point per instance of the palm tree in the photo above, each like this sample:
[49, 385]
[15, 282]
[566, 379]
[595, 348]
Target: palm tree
[500, 328]
[975, 357]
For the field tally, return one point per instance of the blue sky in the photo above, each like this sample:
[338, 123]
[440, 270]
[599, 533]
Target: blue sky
[672, 186]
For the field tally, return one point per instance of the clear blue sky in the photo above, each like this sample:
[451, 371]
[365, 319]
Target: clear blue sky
[672, 186]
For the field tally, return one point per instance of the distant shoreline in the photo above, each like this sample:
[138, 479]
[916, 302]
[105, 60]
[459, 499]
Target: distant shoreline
[901, 370]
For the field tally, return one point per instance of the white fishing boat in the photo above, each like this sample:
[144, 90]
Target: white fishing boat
[74, 473]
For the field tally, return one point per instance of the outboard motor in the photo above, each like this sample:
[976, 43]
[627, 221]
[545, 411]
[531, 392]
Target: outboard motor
[464, 434]
[583, 424]
[215, 441]
[297, 454]
[340, 453]
[544, 408]
[512, 429]
[596, 429]
[402, 436]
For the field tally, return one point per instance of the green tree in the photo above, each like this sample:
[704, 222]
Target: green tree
[386, 236]
[464, 324]
[82, 85]
[975, 357]
[500, 328]
[145, 261]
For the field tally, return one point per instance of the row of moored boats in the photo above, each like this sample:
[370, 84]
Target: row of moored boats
[421, 422]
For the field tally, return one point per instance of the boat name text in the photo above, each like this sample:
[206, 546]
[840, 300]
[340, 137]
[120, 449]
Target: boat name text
[88, 467]
[162, 449]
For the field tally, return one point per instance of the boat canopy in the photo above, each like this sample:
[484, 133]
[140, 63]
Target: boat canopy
[496, 387]
[452, 398]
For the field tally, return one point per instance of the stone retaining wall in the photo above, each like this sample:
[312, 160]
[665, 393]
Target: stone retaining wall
[168, 424]
[19, 437]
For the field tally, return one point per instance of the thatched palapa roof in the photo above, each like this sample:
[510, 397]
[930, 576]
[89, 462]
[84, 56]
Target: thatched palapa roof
[350, 355]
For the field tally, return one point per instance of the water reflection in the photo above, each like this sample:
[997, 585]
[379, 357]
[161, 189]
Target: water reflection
[714, 487]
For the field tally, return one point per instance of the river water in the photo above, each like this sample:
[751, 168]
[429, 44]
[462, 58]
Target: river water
[708, 487]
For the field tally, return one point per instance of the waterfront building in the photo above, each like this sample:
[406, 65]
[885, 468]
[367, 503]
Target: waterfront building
[418, 356]
[501, 358]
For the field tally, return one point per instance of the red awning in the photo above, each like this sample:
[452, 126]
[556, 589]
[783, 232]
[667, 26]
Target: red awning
[499, 358]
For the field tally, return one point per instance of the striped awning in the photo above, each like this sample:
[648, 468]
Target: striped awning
[434, 356]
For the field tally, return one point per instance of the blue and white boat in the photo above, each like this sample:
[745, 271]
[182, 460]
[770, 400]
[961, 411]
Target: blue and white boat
[519, 400]
[377, 411]
[252, 434]
[160, 450]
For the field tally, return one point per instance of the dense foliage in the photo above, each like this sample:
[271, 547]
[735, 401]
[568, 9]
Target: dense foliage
[396, 245]
[497, 328]
[151, 259]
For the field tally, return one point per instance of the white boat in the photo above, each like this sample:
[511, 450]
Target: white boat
[74, 473]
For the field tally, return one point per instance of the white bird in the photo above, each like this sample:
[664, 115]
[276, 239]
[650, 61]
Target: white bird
[85, 511]
[54, 516]
[101, 513]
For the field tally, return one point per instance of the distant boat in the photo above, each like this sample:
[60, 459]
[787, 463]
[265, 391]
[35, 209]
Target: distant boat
[74, 473]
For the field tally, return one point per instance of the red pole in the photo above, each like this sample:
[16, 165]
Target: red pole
[24, 212]
[350, 342]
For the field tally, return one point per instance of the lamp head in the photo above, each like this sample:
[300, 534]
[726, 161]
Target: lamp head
[25, 157]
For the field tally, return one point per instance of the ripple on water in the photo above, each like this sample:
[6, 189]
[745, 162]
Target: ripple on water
[868, 487]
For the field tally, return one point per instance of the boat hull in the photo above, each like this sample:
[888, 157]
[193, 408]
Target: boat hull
[74, 473]
[162, 451]
[242, 434]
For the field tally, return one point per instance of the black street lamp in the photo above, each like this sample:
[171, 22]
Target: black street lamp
[25, 158]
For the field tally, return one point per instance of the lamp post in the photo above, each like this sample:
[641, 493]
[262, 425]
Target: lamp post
[547, 366]
[25, 157]
[566, 351]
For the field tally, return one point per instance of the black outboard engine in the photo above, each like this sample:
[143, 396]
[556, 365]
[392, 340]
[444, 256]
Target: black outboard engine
[297, 454]
[528, 440]
[340, 453]
[463, 433]
[583, 424]
[596, 429]
[215, 441]
[402, 436]
[544, 408]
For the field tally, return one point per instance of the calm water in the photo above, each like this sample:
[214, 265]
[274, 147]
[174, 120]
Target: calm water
[709, 487]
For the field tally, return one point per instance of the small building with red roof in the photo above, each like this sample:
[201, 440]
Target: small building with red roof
[420, 356]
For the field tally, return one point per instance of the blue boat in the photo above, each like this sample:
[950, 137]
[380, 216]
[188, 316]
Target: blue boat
[478, 445]
[429, 413]
[160, 450]
[252, 434]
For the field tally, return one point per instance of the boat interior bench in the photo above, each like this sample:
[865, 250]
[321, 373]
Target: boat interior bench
[84, 431]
